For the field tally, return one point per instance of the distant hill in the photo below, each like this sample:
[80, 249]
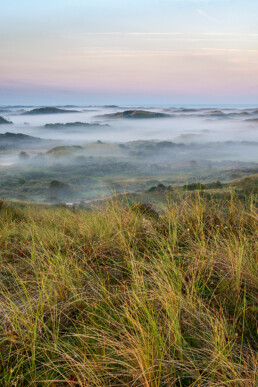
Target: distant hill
[4, 121]
[18, 140]
[48, 110]
[60, 151]
[137, 114]
[72, 125]
[96, 149]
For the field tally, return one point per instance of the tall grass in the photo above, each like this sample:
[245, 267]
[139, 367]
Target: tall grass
[123, 297]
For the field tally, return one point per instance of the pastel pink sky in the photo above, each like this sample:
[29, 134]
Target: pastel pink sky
[139, 51]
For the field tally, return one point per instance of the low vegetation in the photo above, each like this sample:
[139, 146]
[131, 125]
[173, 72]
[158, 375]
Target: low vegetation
[125, 296]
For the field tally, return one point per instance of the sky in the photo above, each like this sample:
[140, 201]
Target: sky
[153, 52]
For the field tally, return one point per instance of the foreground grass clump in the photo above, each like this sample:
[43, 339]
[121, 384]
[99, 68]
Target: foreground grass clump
[125, 297]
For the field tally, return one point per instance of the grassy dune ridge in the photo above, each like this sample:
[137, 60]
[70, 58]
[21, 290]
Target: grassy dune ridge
[124, 296]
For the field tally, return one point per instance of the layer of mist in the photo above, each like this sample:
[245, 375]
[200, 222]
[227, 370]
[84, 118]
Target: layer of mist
[194, 125]
[95, 149]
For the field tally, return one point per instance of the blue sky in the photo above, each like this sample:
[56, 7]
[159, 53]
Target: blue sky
[144, 51]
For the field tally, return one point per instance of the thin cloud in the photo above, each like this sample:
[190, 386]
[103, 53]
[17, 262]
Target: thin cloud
[122, 53]
[135, 33]
[175, 34]
[205, 15]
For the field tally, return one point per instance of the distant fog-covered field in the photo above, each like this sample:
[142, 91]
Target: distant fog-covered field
[175, 124]
[72, 153]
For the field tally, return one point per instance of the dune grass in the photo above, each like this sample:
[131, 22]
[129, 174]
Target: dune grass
[120, 296]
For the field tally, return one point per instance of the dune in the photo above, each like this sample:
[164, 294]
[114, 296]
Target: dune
[4, 121]
[73, 125]
[48, 110]
[136, 114]
[66, 150]
[19, 140]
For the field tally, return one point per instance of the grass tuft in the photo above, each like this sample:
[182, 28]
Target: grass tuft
[124, 296]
